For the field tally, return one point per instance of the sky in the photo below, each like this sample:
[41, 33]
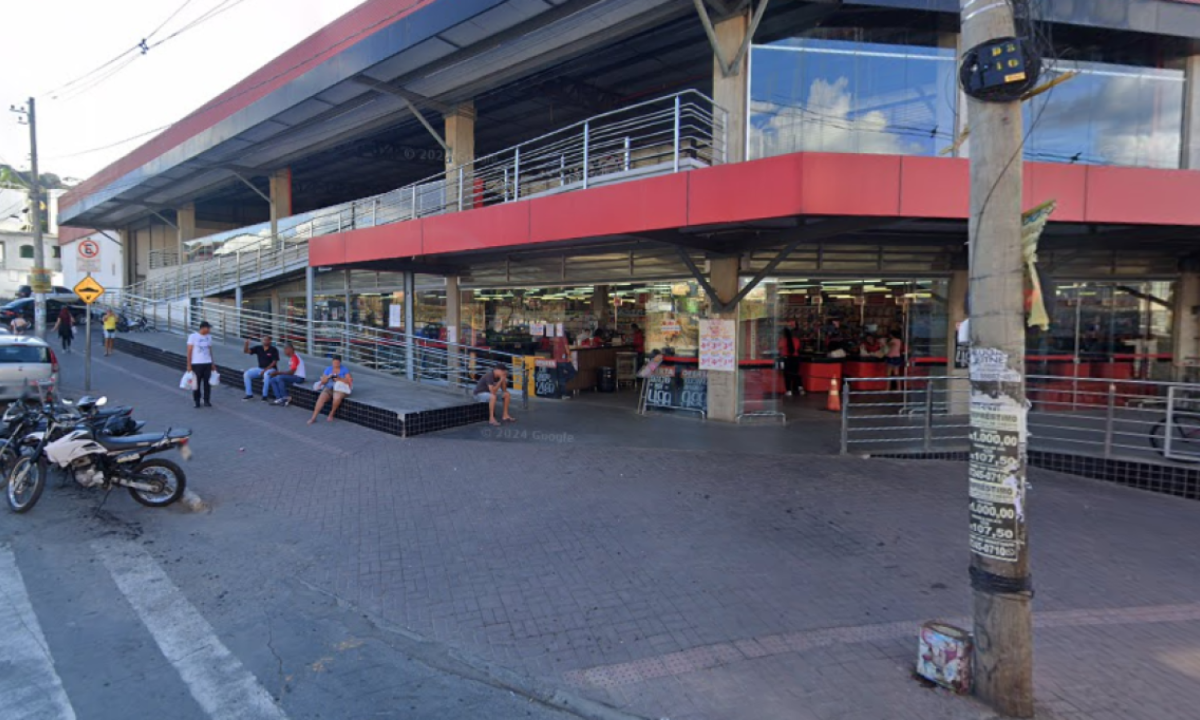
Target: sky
[49, 43]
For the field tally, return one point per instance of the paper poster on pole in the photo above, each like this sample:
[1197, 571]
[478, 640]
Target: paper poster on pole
[394, 311]
[718, 346]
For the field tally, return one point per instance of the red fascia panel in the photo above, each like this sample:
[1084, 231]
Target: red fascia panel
[934, 187]
[402, 239]
[327, 250]
[846, 184]
[349, 29]
[1066, 184]
[768, 188]
[1141, 195]
[640, 206]
[495, 226]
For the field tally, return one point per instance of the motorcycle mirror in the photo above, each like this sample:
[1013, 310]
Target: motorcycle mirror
[102, 401]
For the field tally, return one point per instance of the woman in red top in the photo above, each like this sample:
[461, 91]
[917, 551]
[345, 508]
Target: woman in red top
[639, 344]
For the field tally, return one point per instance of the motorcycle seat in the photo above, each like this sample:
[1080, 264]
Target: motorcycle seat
[141, 440]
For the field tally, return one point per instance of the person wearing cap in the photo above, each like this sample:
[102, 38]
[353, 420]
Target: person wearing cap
[335, 383]
[200, 362]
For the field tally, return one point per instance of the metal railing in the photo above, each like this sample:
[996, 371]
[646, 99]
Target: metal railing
[1156, 422]
[656, 137]
[163, 258]
[421, 359]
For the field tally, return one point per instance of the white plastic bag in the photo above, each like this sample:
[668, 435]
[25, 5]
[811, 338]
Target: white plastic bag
[341, 387]
[188, 381]
[318, 385]
[215, 378]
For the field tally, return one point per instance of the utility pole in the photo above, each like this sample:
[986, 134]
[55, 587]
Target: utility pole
[1003, 622]
[35, 217]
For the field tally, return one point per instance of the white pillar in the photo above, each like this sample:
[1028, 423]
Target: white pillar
[1190, 145]
[732, 92]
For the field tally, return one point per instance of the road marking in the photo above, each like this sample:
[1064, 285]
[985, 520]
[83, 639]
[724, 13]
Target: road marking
[215, 677]
[30, 687]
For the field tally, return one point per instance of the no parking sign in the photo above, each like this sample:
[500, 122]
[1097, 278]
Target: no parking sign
[88, 260]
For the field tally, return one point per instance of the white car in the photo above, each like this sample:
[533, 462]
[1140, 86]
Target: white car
[24, 360]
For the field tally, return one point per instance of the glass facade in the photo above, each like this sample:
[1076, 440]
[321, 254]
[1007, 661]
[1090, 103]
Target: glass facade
[824, 95]
[810, 94]
[1108, 115]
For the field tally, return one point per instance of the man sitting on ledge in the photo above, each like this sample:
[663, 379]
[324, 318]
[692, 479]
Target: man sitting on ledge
[493, 384]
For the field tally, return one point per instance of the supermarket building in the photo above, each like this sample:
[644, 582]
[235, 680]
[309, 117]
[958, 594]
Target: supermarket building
[496, 172]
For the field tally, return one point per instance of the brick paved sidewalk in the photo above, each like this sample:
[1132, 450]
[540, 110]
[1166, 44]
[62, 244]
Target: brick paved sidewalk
[703, 584]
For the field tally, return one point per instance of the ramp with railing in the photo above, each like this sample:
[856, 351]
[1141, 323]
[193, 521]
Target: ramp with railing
[666, 135]
[430, 361]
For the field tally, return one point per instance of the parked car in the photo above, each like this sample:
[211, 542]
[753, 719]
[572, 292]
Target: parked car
[23, 360]
[57, 292]
[24, 308]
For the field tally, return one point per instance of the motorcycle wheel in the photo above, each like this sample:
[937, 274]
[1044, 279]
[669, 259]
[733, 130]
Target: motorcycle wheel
[26, 483]
[172, 477]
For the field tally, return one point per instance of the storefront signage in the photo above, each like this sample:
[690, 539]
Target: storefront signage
[676, 387]
[718, 346]
[693, 390]
[668, 327]
[660, 388]
[547, 379]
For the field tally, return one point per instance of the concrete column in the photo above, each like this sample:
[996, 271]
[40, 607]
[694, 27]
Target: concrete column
[1185, 322]
[128, 257]
[956, 311]
[724, 395]
[410, 321]
[1190, 146]
[346, 316]
[460, 136]
[453, 323]
[281, 200]
[185, 221]
[309, 307]
[600, 305]
[276, 311]
[732, 92]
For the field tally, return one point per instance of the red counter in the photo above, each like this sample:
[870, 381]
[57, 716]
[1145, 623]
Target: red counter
[815, 375]
[866, 369]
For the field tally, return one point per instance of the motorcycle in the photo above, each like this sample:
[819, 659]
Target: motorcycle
[96, 459]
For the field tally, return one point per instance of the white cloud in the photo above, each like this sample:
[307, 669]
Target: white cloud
[823, 124]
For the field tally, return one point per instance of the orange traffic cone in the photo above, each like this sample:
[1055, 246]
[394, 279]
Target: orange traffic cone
[834, 403]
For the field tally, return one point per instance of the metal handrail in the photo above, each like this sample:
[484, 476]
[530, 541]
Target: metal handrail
[1142, 420]
[431, 361]
[664, 135]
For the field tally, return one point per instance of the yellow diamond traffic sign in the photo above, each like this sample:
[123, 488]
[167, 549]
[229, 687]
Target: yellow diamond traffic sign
[88, 290]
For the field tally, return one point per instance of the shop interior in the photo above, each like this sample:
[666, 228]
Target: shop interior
[840, 327]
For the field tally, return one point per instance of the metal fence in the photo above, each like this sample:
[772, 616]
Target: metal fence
[1156, 422]
[426, 360]
[656, 137]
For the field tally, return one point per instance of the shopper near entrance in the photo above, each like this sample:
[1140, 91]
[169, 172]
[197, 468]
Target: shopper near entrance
[789, 354]
[282, 381]
[110, 331]
[895, 354]
[492, 385]
[639, 344]
[335, 383]
[871, 346]
[200, 362]
[65, 327]
[268, 363]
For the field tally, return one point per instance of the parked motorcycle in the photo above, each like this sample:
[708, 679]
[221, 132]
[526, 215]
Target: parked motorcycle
[97, 459]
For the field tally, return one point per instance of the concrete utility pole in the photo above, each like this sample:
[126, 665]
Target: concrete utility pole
[1003, 623]
[35, 216]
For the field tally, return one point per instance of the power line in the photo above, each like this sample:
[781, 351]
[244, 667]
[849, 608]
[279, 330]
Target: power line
[110, 145]
[95, 77]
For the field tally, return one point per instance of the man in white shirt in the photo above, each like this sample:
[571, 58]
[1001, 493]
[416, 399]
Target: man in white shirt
[200, 362]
